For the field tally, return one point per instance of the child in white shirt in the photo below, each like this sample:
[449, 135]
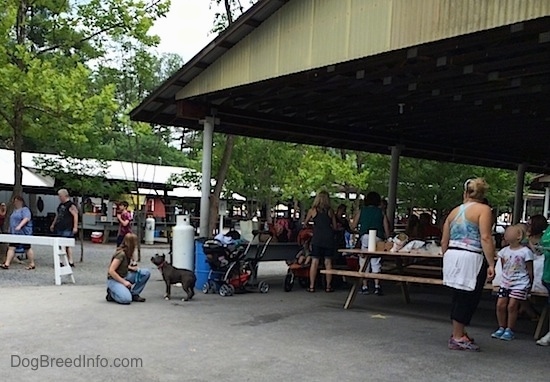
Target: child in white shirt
[517, 278]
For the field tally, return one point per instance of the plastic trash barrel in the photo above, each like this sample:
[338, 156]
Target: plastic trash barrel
[202, 268]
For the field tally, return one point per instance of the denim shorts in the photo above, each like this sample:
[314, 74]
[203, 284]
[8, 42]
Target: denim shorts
[65, 233]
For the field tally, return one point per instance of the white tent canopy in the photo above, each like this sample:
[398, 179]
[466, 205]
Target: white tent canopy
[30, 178]
[142, 173]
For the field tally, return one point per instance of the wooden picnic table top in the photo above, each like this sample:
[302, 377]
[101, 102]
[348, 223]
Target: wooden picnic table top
[424, 254]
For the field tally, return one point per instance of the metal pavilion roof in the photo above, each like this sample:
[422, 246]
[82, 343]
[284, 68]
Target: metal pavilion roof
[479, 98]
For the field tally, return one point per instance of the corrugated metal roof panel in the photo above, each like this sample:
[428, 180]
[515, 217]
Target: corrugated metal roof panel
[308, 34]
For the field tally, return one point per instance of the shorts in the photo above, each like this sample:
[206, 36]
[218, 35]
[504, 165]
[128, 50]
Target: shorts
[24, 246]
[374, 266]
[317, 252]
[65, 233]
[375, 263]
[518, 294]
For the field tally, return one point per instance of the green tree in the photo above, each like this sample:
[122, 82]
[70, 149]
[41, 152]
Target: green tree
[47, 51]
[233, 9]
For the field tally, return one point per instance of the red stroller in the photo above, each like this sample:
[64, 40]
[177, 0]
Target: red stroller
[298, 269]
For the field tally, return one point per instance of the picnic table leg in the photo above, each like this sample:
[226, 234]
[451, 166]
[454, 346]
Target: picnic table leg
[56, 265]
[106, 233]
[404, 285]
[542, 321]
[356, 285]
[405, 290]
[352, 293]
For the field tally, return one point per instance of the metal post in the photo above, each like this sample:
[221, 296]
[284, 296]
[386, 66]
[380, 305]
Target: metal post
[546, 201]
[207, 138]
[524, 214]
[518, 199]
[392, 186]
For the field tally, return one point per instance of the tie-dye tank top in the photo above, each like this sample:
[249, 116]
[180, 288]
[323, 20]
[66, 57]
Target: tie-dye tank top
[464, 233]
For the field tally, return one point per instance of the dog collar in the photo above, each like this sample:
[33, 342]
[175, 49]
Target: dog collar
[162, 265]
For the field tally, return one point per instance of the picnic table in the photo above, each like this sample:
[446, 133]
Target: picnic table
[400, 269]
[401, 273]
[57, 244]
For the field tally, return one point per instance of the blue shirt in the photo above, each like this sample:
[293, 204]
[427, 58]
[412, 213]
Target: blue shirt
[17, 217]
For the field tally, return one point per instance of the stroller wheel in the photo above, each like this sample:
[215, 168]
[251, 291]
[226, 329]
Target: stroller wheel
[206, 288]
[212, 287]
[289, 282]
[304, 282]
[225, 291]
[263, 287]
[232, 289]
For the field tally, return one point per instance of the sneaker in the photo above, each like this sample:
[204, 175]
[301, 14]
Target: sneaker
[378, 291]
[109, 297]
[137, 298]
[365, 290]
[544, 341]
[462, 344]
[498, 334]
[508, 335]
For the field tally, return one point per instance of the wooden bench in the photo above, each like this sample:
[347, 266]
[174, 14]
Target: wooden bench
[404, 280]
[58, 245]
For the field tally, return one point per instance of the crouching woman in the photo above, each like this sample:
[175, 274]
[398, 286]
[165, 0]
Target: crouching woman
[125, 281]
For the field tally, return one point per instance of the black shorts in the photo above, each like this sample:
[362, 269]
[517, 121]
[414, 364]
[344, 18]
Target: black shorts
[317, 252]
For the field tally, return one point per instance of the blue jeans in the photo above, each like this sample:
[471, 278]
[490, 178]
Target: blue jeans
[123, 295]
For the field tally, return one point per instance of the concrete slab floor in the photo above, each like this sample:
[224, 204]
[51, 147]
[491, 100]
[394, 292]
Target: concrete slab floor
[254, 337]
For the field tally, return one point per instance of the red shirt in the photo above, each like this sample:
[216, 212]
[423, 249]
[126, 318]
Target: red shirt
[123, 230]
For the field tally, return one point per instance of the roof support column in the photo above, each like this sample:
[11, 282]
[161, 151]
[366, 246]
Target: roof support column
[546, 201]
[518, 199]
[392, 186]
[207, 142]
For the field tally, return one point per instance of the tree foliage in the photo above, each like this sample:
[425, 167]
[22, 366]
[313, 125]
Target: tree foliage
[48, 49]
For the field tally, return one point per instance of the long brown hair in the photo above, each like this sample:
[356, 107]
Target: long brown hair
[128, 245]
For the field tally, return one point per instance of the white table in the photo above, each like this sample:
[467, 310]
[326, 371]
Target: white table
[58, 245]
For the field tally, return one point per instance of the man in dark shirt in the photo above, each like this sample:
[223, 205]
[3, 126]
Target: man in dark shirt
[65, 223]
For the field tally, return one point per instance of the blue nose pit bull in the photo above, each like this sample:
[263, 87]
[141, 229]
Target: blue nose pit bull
[173, 275]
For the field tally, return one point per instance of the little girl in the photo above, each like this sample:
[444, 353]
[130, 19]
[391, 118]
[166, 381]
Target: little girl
[517, 278]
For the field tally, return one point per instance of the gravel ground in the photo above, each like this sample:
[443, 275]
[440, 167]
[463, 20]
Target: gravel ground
[93, 270]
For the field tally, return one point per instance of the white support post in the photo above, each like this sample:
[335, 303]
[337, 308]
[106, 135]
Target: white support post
[518, 199]
[207, 141]
[546, 201]
[392, 186]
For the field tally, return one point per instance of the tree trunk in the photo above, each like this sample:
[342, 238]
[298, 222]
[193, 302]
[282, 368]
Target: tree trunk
[81, 230]
[17, 150]
[228, 12]
[220, 180]
[21, 35]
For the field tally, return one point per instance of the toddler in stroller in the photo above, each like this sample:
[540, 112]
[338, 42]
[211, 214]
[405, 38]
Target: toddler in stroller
[299, 268]
[231, 269]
